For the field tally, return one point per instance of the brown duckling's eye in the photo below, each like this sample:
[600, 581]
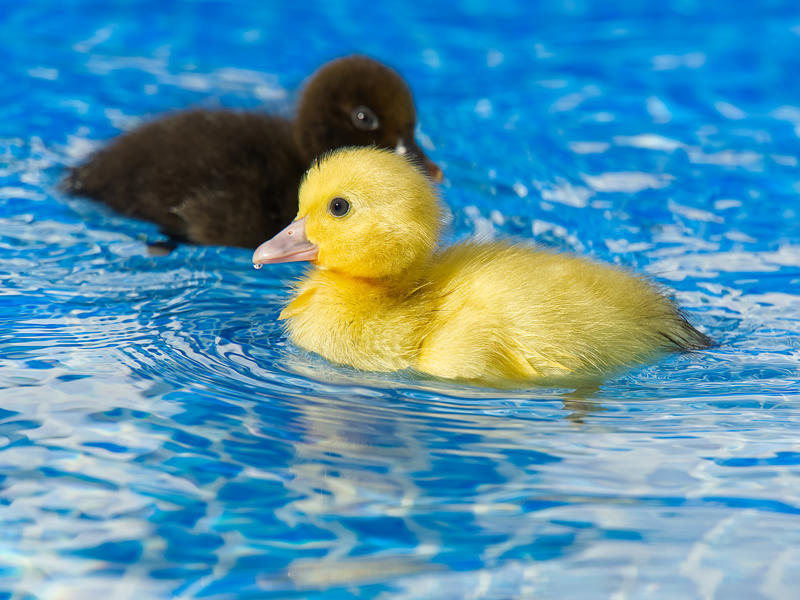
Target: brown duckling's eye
[364, 119]
[339, 207]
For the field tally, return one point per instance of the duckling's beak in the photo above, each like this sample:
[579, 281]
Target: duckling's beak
[289, 245]
[410, 147]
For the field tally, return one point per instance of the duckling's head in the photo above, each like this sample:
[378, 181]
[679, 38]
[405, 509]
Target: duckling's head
[357, 101]
[364, 212]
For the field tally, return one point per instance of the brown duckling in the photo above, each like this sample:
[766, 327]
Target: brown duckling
[225, 177]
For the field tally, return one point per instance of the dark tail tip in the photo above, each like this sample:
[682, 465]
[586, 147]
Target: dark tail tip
[689, 338]
[681, 336]
[701, 341]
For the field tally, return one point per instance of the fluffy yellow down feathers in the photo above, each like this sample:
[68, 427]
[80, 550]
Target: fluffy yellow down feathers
[383, 297]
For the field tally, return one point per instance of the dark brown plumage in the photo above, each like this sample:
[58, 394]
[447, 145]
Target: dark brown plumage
[230, 178]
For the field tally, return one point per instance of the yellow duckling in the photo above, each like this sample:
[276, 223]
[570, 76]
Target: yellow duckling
[382, 297]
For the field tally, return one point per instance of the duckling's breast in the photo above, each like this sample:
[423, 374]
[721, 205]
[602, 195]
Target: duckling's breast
[355, 322]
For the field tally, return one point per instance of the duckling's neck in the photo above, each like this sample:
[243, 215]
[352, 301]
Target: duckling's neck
[309, 143]
[371, 324]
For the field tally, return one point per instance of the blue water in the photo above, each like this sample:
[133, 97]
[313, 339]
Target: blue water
[159, 437]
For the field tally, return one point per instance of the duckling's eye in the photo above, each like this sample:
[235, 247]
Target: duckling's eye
[364, 119]
[339, 207]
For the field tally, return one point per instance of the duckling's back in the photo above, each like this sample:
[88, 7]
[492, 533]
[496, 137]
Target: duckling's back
[513, 312]
[208, 176]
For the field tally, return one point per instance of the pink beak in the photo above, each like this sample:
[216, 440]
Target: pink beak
[289, 245]
[434, 170]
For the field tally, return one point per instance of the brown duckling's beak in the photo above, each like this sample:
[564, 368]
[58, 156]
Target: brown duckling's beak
[410, 147]
[289, 245]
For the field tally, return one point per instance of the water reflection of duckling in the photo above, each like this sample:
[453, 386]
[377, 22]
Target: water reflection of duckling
[230, 178]
[382, 297]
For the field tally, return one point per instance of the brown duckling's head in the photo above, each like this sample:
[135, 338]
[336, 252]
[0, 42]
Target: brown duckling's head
[357, 101]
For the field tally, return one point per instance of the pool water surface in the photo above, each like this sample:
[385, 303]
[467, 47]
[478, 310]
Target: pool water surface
[161, 438]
